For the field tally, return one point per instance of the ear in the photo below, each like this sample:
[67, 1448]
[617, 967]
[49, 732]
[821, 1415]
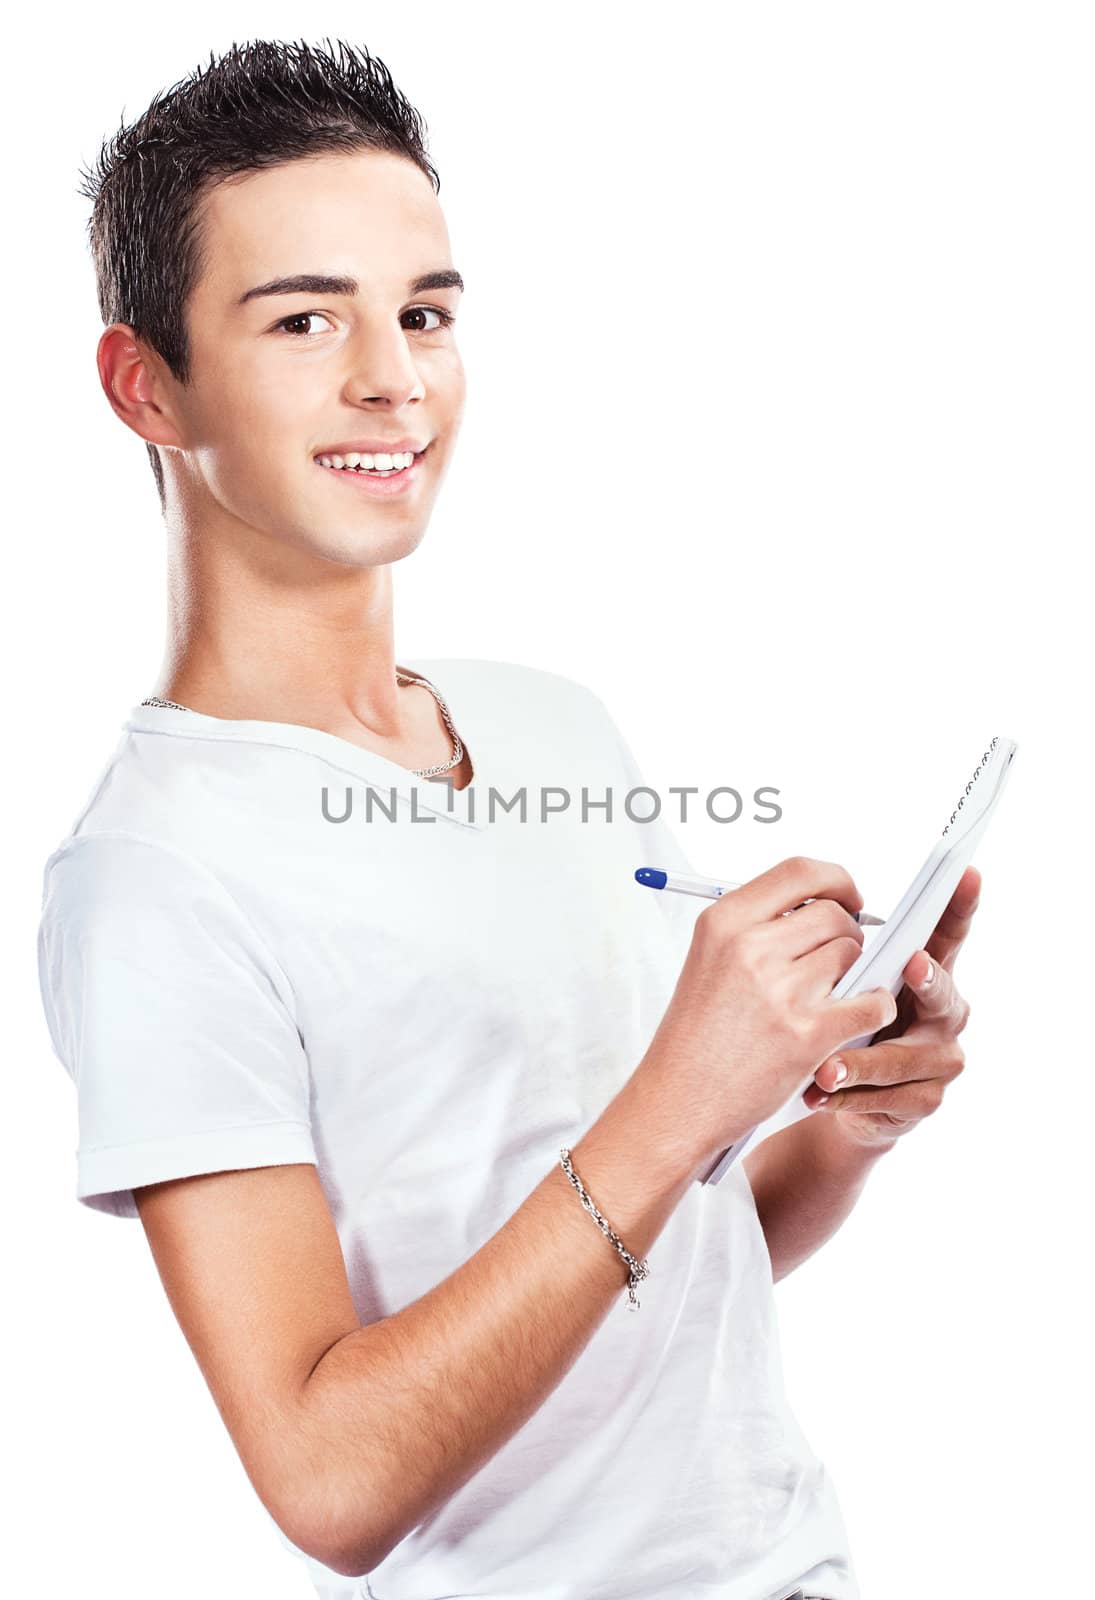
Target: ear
[132, 384]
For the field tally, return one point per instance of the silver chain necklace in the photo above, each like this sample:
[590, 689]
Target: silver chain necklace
[400, 677]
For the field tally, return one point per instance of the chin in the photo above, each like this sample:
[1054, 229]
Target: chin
[376, 548]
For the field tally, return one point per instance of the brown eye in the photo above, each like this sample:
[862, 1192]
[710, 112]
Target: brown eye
[292, 324]
[446, 317]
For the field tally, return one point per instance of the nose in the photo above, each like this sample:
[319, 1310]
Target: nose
[381, 368]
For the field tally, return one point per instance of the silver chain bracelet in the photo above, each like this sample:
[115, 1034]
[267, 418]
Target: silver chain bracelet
[638, 1270]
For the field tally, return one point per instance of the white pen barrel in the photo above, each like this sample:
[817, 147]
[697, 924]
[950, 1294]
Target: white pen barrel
[683, 883]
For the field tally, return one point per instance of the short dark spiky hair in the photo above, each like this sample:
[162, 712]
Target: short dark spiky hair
[261, 104]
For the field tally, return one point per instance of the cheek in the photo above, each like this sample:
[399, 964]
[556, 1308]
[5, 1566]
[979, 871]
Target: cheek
[253, 444]
[444, 378]
[251, 419]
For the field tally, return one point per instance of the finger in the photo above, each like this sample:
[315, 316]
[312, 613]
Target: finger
[820, 970]
[810, 928]
[789, 883]
[886, 1065]
[954, 924]
[935, 996]
[910, 1101]
[855, 1016]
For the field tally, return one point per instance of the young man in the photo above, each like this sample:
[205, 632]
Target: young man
[333, 1065]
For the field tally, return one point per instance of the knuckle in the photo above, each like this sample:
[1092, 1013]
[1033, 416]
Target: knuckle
[848, 949]
[879, 1008]
[844, 875]
[709, 928]
[800, 1026]
[843, 878]
[730, 946]
[796, 866]
[955, 1059]
[836, 871]
[815, 870]
[836, 917]
[963, 1015]
[748, 955]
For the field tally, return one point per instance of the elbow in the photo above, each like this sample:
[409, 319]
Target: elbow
[336, 1507]
[354, 1558]
[346, 1542]
[347, 1563]
[350, 1558]
[352, 1552]
[316, 1525]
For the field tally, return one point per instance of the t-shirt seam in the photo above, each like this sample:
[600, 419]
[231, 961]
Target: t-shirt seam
[198, 1133]
[433, 661]
[208, 736]
[99, 786]
[190, 861]
[498, 661]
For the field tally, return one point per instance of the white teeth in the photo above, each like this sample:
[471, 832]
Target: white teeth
[369, 463]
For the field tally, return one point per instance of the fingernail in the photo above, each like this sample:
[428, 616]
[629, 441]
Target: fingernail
[841, 1072]
[928, 976]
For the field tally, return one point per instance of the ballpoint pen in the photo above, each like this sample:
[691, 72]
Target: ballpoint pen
[683, 883]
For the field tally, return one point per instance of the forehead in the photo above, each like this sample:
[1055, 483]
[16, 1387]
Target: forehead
[370, 215]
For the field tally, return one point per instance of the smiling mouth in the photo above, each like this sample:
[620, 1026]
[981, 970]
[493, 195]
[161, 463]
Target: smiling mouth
[331, 464]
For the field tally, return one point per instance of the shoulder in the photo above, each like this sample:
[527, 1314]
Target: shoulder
[121, 874]
[130, 919]
[151, 790]
[510, 680]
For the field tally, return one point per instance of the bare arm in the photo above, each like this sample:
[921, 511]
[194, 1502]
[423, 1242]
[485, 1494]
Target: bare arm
[805, 1181]
[439, 1387]
[353, 1435]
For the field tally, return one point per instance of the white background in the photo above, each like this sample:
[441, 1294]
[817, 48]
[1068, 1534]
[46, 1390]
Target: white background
[778, 332]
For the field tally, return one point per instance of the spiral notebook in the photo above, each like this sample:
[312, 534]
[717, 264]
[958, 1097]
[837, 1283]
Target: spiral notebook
[884, 956]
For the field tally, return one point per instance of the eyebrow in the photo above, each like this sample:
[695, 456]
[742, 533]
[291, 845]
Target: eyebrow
[324, 283]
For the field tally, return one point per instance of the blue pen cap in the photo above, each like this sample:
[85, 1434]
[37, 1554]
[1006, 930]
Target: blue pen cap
[652, 877]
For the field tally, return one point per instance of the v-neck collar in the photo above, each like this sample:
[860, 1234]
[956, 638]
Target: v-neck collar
[431, 794]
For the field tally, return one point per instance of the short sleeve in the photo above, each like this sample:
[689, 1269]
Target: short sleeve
[171, 1016]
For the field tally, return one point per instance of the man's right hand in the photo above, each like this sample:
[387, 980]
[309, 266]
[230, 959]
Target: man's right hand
[751, 1016]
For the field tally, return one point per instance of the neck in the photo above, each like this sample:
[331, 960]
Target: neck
[264, 630]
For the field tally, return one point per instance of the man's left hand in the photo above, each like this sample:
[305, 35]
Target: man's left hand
[892, 1083]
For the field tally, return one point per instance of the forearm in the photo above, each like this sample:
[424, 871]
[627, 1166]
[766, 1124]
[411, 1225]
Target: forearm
[400, 1413]
[805, 1181]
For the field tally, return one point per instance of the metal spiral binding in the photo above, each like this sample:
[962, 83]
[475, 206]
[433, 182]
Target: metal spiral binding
[976, 774]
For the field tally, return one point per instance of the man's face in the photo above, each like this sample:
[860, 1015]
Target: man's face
[279, 379]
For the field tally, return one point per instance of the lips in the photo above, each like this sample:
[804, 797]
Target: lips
[374, 447]
[382, 485]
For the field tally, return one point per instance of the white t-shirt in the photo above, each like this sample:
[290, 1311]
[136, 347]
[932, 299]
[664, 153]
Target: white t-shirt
[428, 1010]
